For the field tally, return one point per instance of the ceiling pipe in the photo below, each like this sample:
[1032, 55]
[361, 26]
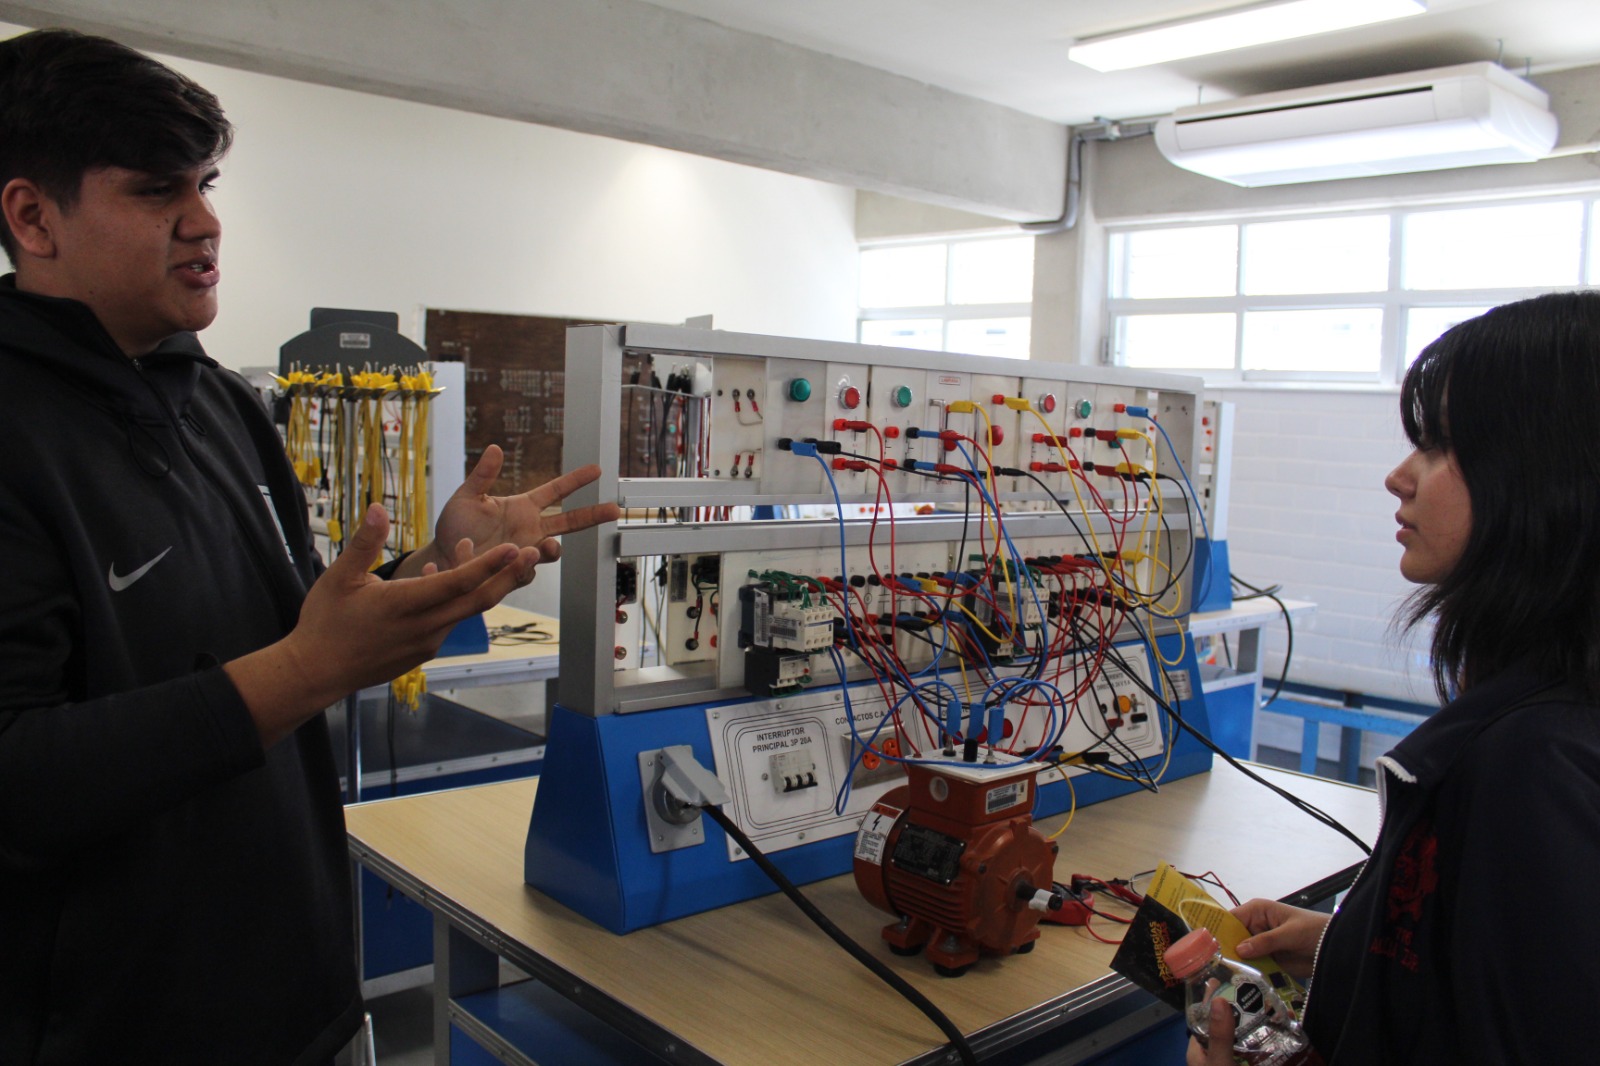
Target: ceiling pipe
[1103, 129]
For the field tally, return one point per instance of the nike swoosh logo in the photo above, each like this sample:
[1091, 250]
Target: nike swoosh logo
[120, 582]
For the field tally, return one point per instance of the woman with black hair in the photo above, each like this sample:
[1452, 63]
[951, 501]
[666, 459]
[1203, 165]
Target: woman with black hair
[1469, 935]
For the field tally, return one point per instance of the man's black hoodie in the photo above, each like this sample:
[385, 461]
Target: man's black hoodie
[169, 892]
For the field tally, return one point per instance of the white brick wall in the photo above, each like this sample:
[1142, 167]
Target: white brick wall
[1309, 511]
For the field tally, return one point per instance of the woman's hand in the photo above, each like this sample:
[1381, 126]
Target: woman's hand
[1289, 934]
[1218, 1049]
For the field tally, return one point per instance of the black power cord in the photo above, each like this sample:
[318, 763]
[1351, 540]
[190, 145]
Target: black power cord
[840, 937]
[1311, 809]
[1288, 625]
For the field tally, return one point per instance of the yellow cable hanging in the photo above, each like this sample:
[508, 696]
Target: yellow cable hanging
[417, 394]
[1071, 810]
[333, 384]
[299, 386]
[409, 687]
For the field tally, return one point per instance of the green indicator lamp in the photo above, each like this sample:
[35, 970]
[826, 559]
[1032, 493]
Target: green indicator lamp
[799, 390]
[901, 396]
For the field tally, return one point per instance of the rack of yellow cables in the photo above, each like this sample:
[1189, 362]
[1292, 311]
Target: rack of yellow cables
[339, 442]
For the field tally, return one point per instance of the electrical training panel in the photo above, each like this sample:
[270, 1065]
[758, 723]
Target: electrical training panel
[969, 560]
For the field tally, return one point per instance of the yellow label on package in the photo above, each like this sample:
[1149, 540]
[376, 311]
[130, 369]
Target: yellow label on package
[1195, 906]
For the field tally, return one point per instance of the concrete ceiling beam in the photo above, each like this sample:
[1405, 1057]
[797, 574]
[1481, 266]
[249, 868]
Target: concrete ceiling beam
[627, 70]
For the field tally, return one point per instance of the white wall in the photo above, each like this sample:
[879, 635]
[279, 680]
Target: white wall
[1309, 511]
[338, 198]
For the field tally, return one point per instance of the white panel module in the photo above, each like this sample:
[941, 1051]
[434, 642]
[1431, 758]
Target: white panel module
[785, 761]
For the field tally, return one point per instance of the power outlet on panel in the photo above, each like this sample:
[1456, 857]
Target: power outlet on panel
[871, 768]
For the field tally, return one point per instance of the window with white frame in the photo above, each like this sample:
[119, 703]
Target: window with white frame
[972, 294]
[1346, 297]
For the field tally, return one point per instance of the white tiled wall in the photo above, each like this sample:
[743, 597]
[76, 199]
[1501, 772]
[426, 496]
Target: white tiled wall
[1309, 511]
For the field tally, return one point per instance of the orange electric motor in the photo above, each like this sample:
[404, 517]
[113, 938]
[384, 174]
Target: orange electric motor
[954, 855]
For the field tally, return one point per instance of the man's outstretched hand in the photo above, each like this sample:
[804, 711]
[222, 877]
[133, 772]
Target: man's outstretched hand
[490, 521]
[357, 630]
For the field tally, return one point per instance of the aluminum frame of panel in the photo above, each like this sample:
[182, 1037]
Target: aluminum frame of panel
[594, 379]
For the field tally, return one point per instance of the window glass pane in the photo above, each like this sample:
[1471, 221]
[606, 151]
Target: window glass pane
[1342, 340]
[1176, 342]
[1594, 244]
[1493, 247]
[925, 333]
[1424, 324]
[911, 276]
[990, 336]
[1317, 255]
[992, 272]
[1194, 261]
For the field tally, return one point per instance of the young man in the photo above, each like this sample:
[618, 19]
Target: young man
[173, 878]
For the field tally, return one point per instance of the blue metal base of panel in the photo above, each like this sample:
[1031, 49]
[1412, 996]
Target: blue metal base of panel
[469, 637]
[1213, 583]
[588, 843]
[1233, 712]
[544, 1026]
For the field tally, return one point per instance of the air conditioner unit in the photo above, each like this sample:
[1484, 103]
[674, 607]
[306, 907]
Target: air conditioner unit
[1460, 116]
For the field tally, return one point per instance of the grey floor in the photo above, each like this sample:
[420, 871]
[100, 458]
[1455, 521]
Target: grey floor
[402, 1027]
[402, 1024]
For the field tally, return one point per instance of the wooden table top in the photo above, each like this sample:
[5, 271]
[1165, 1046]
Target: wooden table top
[502, 662]
[756, 983]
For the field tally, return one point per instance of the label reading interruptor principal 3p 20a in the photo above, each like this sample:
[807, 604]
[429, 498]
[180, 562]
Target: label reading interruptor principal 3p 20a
[784, 759]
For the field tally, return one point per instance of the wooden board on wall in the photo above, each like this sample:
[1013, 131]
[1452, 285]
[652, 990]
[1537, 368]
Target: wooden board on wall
[516, 387]
[516, 395]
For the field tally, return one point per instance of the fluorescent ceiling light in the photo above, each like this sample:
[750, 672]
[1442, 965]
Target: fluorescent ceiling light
[1238, 27]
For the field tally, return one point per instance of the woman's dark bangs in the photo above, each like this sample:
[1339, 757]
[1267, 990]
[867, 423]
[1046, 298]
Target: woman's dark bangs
[1422, 397]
